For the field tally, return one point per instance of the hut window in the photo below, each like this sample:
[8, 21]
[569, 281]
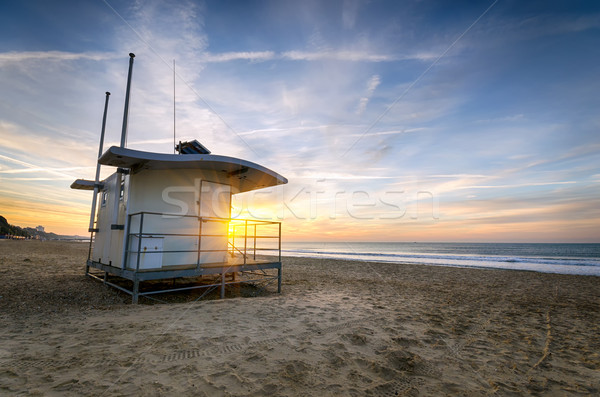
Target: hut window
[104, 199]
[122, 190]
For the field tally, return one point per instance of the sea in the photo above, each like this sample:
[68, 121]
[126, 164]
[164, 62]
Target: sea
[582, 259]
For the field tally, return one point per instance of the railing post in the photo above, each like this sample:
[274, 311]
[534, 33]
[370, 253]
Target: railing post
[233, 241]
[139, 251]
[245, 240]
[127, 241]
[255, 241]
[280, 242]
[199, 242]
[280, 265]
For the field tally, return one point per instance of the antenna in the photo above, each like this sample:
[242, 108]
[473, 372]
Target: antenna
[174, 144]
[126, 111]
[119, 174]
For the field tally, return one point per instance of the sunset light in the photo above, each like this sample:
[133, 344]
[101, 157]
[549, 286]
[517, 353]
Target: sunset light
[299, 198]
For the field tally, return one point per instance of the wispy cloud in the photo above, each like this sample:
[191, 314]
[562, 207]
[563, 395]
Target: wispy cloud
[518, 185]
[292, 55]
[235, 56]
[59, 173]
[20, 143]
[459, 176]
[372, 84]
[393, 132]
[340, 55]
[16, 57]
[512, 118]
[31, 170]
[349, 13]
[299, 55]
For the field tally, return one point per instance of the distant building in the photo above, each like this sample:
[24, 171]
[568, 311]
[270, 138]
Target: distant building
[40, 229]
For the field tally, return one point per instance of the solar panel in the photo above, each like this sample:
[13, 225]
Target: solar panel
[191, 147]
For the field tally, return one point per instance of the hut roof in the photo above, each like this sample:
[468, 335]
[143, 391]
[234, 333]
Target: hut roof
[242, 175]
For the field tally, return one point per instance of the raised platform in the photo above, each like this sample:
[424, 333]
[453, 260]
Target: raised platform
[249, 272]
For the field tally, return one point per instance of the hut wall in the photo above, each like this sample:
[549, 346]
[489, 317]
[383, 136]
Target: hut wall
[108, 243]
[179, 193]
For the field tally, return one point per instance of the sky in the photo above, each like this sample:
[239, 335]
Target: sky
[392, 120]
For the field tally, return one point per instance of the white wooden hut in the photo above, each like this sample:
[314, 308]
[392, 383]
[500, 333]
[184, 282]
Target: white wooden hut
[166, 216]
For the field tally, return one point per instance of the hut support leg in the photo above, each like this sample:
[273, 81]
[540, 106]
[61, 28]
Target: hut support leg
[279, 280]
[105, 277]
[136, 290]
[222, 285]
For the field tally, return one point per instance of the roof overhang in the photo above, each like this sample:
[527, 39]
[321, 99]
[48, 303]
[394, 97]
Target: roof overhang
[84, 184]
[241, 175]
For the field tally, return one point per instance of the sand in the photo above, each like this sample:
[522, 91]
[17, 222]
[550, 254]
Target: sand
[338, 328]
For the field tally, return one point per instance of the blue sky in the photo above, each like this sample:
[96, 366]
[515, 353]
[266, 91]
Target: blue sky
[393, 120]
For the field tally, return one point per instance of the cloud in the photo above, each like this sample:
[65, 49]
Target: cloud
[235, 56]
[393, 132]
[339, 55]
[297, 55]
[31, 170]
[339, 176]
[518, 185]
[513, 118]
[16, 57]
[372, 84]
[349, 12]
[48, 149]
[58, 173]
[459, 176]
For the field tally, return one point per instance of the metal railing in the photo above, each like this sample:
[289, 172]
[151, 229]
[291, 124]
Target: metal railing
[160, 241]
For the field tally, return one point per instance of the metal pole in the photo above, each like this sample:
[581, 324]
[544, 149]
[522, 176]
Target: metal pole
[174, 144]
[97, 180]
[255, 241]
[126, 110]
[119, 177]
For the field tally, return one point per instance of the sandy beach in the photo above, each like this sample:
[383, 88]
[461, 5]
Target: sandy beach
[337, 328]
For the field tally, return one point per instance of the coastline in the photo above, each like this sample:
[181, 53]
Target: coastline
[338, 328]
[565, 258]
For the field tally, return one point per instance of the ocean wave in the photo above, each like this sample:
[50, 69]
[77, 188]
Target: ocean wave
[420, 258]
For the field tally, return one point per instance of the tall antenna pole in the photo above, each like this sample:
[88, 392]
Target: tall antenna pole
[119, 174]
[174, 144]
[126, 111]
[97, 180]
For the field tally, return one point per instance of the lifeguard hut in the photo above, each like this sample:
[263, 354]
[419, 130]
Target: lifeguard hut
[168, 216]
